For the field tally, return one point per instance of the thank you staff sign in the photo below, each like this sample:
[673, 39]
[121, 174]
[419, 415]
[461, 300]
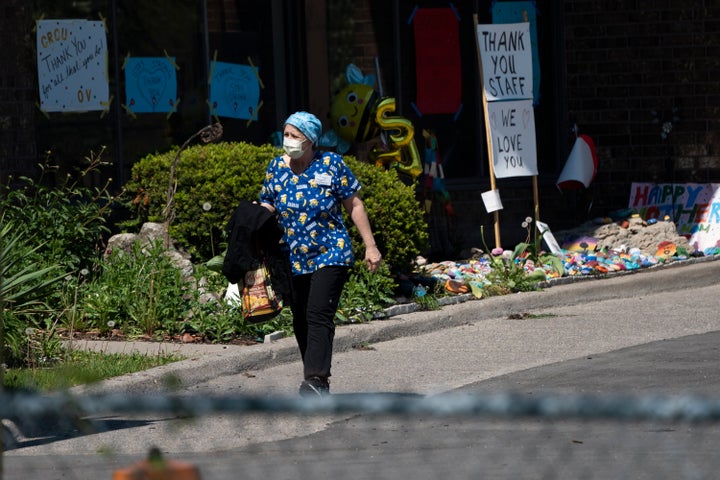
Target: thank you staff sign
[72, 65]
[506, 56]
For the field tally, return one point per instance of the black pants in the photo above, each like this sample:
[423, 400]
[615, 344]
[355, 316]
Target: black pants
[315, 301]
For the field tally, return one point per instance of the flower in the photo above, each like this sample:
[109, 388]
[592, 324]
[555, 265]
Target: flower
[207, 206]
[84, 272]
[110, 324]
[497, 251]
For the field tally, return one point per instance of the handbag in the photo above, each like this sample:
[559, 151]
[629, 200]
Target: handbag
[258, 299]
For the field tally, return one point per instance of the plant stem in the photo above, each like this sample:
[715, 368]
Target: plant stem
[207, 134]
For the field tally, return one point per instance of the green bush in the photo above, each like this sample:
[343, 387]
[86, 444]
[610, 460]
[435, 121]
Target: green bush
[211, 179]
[66, 222]
[46, 234]
[366, 294]
[24, 286]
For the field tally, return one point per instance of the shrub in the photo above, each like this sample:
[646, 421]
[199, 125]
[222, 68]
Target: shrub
[365, 294]
[24, 285]
[46, 234]
[211, 179]
[66, 222]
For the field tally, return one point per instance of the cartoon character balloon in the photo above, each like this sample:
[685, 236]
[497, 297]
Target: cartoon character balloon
[359, 114]
[350, 113]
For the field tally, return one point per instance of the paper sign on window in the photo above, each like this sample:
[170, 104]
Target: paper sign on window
[234, 91]
[150, 84]
[72, 65]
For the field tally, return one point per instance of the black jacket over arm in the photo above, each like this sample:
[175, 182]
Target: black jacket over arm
[253, 234]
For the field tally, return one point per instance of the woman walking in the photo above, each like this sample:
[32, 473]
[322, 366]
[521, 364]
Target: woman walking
[308, 188]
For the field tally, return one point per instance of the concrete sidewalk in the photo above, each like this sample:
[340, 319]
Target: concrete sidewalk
[206, 361]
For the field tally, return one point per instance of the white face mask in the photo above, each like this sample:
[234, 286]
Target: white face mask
[294, 148]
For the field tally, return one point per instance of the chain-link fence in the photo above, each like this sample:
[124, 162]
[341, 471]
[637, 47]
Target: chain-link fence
[356, 436]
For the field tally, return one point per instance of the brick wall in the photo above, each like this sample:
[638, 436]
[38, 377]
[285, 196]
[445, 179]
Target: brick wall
[17, 90]
[366, 48]
[633, 65]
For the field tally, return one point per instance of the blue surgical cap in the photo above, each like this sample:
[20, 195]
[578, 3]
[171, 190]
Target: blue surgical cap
[307, 123]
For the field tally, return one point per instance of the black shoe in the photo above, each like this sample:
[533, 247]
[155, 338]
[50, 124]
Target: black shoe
[315, 387]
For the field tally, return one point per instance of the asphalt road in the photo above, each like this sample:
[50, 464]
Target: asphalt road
[653, 332]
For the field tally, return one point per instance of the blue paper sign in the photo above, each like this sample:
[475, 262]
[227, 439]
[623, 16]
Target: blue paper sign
[234, 90]
[150, 84]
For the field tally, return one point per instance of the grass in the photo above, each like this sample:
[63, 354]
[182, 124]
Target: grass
[81, 367]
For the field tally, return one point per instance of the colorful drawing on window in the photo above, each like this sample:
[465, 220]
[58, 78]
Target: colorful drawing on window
[234, 90]
[150, 84]
[72, 65]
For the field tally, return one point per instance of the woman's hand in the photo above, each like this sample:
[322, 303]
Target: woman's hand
[268, 206]
[372, 258]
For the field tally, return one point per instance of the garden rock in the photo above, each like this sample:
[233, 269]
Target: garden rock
[632, 232]
[150, 234]
[121, 241]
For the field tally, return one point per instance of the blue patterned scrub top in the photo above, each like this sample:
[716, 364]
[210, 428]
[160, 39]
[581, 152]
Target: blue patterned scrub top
[309, 206]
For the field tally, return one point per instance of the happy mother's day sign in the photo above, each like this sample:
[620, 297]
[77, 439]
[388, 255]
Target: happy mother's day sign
[72, 65]
[694, 207]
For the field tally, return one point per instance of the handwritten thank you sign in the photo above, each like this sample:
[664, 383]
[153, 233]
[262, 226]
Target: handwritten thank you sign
[506, 61]
[72, 65]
